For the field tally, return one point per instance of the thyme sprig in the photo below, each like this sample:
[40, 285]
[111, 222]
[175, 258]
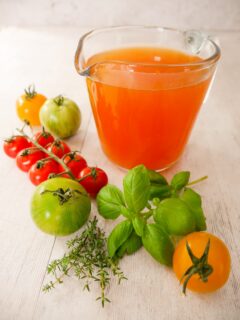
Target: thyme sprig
[88, 260]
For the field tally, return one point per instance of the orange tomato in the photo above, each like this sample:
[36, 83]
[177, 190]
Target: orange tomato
[29, 104]
[216, 266]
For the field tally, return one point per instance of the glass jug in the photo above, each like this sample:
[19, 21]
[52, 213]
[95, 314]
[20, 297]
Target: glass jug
[146, 86]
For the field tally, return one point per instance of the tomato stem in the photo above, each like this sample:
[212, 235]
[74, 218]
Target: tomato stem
[46, 159]
[87, 175]
[200, 266]
[52, 155]
[71, 156]
[44, 134]
[30, 92]
[93, 174]
[54, 175]
[28, 151]
[59, 100]
[63, 195]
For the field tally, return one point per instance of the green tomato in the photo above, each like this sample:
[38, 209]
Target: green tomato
[60, 206]
[61, 116]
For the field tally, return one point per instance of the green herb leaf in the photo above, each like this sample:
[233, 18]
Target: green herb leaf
[175, 216]
[126, 212]
[180, 180]
[156, 178]
[157, 242]
[134, 243]
[130, 246]
[118, 236]
[194, 202]
[138, 225]
[160, 191]
[110, 201]
[136, 186]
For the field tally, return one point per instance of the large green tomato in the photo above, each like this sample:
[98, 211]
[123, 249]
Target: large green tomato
[61, 116]
[60, 206]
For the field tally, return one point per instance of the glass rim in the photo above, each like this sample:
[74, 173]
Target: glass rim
[202, 63]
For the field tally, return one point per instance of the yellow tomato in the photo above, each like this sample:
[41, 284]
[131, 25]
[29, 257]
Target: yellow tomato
[210, 262]
[29, 104]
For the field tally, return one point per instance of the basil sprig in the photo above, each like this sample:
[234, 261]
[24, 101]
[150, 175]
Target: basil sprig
[153, 210]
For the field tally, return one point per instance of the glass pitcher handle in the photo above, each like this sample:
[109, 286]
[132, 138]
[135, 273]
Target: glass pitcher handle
[195, 40]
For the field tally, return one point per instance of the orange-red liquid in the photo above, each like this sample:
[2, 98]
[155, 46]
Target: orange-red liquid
[144, 114]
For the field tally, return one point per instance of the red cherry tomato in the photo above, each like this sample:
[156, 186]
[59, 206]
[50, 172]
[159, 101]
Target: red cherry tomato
[15, 144]
[59, 148]
[27, 157]
[41, 170]
[43, 138]
[75, 162]
[93, 179]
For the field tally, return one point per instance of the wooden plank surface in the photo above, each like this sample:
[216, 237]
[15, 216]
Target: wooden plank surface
[45, 57]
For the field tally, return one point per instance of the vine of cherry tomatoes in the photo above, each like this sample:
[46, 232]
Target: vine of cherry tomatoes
[40, 166]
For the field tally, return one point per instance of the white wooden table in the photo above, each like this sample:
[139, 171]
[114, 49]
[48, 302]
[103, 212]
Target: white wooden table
[45, 57]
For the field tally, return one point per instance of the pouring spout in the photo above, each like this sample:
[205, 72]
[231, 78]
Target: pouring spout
[90, 71]
[85, 72]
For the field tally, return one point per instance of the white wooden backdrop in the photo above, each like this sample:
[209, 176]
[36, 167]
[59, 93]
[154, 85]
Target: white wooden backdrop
[45, 57]
[204, 14]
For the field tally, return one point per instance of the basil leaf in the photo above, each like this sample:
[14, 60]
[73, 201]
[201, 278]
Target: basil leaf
[122, 249]
[138, 225]
[134, 243]
[159, 191]
[180, 180]
[156, 178]
[175, 216]
[157, 242]
[136, 187]
[109, 202]
[131, 245]
[194, 202]
[118, 236]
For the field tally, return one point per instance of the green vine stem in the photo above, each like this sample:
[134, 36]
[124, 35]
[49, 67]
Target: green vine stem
[45, 159]
[49, 153]
[197, 180]
[147, 214]
[60, 174]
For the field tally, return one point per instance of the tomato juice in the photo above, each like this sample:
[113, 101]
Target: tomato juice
[145, 101]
